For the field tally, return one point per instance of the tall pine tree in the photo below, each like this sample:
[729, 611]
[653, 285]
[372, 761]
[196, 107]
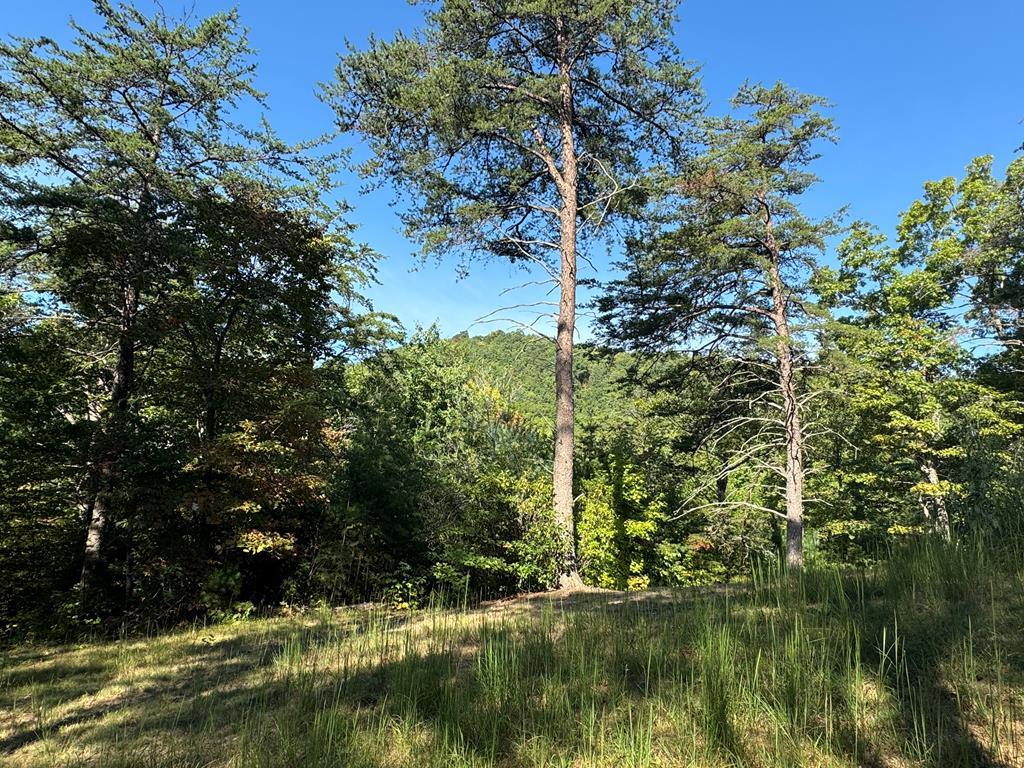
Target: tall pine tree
[518, 128]
[725, 270]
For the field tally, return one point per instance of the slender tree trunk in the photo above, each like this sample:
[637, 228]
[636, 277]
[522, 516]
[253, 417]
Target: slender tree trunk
[87, 487]
[97, 523]
[208, 422]
[207, 436]
[936, 502]
[794, 469]
[210, 390]
[564, 413]
[108, 445]
[794, 436]
[564, 382]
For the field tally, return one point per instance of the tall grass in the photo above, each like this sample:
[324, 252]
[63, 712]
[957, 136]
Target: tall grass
[916, 662]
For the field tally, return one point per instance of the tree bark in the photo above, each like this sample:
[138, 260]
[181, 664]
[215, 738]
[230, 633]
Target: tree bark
[937, 502]
[793, 471]
[108, 446]
[564, 341]
[96, 519]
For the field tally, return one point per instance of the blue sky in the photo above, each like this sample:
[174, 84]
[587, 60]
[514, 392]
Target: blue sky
[919, 87]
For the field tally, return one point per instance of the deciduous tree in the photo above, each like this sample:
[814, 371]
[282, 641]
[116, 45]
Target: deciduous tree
[110, 144]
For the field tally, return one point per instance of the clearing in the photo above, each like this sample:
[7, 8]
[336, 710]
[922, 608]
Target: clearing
[916, 662]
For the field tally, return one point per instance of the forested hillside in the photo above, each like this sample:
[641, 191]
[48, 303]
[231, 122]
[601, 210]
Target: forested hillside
[519, 366]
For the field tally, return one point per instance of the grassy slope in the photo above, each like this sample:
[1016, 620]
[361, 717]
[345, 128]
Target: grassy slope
[917, 663]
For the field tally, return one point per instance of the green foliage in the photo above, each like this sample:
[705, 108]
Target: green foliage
[699, 275]
[201, 417]
[620, 526]
[924, 437]
[43, 387]
[448, 475]
[188, 280]
[464, 118]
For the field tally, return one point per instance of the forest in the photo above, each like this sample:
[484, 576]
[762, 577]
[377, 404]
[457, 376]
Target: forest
[750, 496]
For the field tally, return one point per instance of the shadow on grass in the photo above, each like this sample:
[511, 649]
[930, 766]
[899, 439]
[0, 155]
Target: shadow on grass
[931, 717]
[551, 670]
[179, 683]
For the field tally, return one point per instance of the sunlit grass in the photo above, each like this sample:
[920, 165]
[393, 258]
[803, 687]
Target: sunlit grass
[918, 662]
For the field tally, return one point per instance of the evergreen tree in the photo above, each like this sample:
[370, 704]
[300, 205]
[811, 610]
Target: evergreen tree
[518, 128]
[726, 270]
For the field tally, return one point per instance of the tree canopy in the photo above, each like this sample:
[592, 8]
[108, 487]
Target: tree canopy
[202, 416]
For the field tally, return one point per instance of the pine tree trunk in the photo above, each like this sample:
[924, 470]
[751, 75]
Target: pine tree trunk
[564, 414]
[108, 447]
[793, 470]
[564, 341]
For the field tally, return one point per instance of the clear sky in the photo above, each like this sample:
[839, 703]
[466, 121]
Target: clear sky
[919, 86]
